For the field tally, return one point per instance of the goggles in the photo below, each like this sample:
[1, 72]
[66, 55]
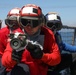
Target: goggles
[33, 22]
[53, 24]
[11, 21]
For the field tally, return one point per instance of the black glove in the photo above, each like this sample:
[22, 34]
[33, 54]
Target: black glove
[17, 55]
[35, 50]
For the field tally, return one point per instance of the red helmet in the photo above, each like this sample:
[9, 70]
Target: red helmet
[14, 11]
[12, 15]
[31, 10]
[32, 13]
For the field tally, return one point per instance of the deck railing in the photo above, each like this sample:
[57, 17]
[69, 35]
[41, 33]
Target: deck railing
[69, 34]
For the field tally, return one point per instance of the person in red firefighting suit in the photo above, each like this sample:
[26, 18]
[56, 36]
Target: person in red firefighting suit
[11, 26]
[41, 49]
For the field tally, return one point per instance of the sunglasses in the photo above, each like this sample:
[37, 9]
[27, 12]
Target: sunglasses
[33, 22]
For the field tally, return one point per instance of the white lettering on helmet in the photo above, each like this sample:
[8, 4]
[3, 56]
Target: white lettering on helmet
[52, 17]
[28, 10]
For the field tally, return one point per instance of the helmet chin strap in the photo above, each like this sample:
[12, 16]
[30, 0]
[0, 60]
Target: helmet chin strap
[54, 29]
[13, 27]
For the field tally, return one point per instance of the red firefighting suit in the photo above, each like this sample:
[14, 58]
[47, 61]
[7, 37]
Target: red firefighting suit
[50, 57]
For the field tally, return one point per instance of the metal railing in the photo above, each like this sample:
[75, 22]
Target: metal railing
[68, 34]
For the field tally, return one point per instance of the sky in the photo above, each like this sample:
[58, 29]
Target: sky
[65, 8]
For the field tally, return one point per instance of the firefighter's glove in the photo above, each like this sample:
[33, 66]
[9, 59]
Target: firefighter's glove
[35, 50]
[17, 55]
